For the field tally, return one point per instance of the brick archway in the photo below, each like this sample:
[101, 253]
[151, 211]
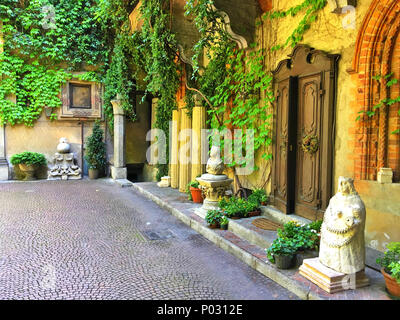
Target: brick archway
[377, 47]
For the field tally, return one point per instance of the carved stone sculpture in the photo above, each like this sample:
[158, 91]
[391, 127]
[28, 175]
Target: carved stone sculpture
[215, 165]
[64, 166]
[342, 233]
[213, 184]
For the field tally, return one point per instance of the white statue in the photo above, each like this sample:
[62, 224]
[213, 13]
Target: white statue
[215, 165]
[342, 233]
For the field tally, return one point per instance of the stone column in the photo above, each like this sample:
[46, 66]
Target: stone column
[118, 170]
[3, 160]
[198, 123]
[184, 168]
[174, 166]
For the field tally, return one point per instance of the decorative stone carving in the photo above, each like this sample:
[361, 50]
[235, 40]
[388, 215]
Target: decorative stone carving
[64, 166]
[213, 184]
[342, 233]
[215, 165]
[165, 182]
[341, 262]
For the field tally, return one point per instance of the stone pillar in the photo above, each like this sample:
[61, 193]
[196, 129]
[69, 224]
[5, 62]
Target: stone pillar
[174, 166]
[3, 160]
[198, 123]
[184, 166]
[118, 169]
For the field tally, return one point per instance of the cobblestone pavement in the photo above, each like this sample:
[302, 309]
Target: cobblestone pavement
[93, 240]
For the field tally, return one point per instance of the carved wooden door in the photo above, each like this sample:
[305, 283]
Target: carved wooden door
[308, 158]
[285, 141]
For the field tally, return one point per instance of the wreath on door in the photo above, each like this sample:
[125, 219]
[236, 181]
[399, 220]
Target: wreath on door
[310, 144]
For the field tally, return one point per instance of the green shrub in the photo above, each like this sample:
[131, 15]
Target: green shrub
[305, 236]
[390, 262]
[96, 149]
[237, 207]
[29, 158]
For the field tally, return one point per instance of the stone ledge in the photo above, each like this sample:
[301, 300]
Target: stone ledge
[253, 255]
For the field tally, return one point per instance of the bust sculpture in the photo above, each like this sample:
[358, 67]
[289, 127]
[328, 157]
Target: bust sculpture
[215, 165]
[342, 233]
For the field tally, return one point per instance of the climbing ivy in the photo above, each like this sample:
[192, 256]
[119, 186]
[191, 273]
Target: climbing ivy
[311, 8]
[389, 81]
[44, 41]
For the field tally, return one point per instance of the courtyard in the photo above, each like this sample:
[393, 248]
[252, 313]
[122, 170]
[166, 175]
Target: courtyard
[92, 240]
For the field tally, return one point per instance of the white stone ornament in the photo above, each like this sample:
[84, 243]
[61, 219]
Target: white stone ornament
[342, 245]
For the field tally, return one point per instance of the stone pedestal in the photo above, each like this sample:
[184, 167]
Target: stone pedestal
[385, 175]
[118, 169]
[330, 280]
[165, 182]
[213, 187]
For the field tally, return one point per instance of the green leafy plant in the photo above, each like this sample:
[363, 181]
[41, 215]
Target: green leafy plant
[29, 158]
[224, 221]
[390, 262]
[213, 217]
[388, 81]
[282, 247]
[304, 236]
[96, 149]
[258, 196]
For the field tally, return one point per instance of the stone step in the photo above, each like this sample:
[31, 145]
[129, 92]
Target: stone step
[249, 246]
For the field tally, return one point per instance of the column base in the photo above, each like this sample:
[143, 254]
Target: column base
[3, 170]
[119, 173]
[207, 205]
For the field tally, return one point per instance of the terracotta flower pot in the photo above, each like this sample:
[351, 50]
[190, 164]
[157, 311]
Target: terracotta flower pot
[93, 173]
[214, 226]
[391, 284]
[28, 170]
[196, 195]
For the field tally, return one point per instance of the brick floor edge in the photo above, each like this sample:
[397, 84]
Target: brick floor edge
[253, 255]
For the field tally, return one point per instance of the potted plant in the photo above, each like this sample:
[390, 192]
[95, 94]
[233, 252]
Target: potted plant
[260, 196]
[282, 252]
[95, 152]
[194, 192]
[253, 208]
[224, 223]
[390, 264]
[28, 162]
[213, 218]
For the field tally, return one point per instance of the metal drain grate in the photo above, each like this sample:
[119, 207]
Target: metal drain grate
[158, 234]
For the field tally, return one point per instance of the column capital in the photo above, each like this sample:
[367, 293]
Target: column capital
[117, 106]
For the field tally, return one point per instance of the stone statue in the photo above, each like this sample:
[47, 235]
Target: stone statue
[215, 165]
[64, 166]
[342, 233]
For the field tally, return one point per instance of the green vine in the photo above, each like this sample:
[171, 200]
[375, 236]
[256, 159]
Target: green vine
[388, 102]
[311, 8]
[44, 41]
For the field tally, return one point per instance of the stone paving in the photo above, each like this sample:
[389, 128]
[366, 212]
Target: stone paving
[93, 240]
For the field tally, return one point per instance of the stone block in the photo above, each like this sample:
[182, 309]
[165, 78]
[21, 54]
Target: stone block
[119, 173]
[385, 175]
[3, 172]
[330, 280]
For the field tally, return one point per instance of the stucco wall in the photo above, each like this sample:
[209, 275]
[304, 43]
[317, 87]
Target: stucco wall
[333, 33]
[44, 136]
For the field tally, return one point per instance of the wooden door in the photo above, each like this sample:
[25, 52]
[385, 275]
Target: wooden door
[285, 144]
[308, 164]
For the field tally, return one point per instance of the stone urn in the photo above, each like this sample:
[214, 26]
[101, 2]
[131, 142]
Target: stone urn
[63, 146]
[213, 184]
[28, 170]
